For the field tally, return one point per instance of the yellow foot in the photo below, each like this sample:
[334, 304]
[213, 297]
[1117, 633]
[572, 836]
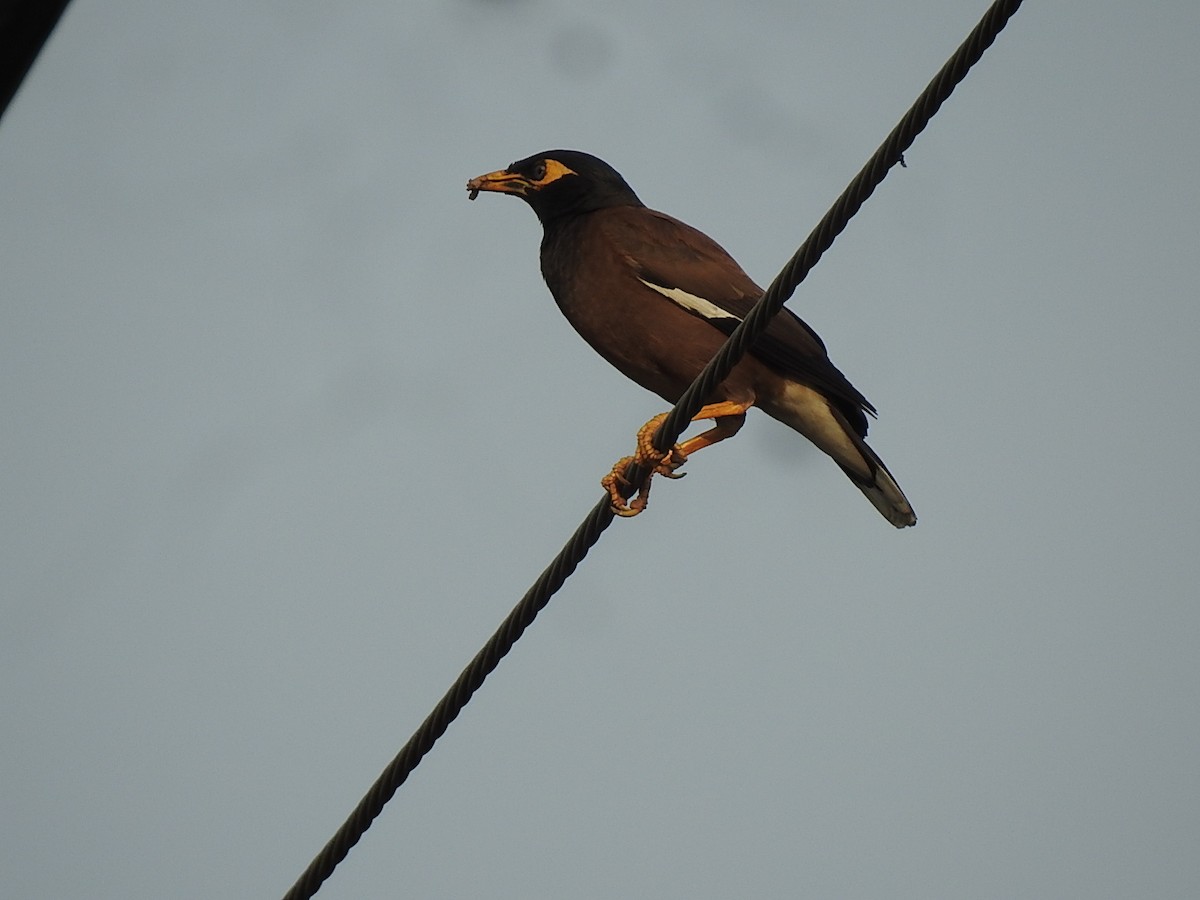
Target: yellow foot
[649, 457]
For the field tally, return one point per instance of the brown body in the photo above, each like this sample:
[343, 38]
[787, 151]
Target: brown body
[622, 319]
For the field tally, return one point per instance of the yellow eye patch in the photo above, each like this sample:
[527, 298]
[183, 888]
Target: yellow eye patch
[554, 171]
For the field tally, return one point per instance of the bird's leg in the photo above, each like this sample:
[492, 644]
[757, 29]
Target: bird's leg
[727, 417]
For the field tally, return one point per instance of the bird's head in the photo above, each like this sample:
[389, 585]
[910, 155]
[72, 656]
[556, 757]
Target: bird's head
[558, 183]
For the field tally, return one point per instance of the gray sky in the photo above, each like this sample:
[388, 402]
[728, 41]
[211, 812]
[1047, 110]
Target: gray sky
[289, 425]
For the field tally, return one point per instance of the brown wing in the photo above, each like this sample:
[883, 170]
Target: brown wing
[673, 255]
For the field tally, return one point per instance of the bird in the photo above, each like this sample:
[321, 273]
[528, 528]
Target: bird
[657, 298]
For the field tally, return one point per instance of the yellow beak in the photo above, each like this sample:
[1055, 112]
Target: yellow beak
[501, 182]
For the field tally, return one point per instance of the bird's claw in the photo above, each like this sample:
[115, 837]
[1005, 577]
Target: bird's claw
[615, 480]
[648, 456]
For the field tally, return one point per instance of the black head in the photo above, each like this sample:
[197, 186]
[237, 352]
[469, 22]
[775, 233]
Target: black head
[559, 183]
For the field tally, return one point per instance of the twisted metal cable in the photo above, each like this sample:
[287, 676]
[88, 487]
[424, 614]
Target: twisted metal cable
[452, 703]
[601, 515]
[890, 152]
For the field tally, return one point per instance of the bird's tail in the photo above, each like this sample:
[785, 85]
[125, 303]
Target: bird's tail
[811, 414]
[881, 488]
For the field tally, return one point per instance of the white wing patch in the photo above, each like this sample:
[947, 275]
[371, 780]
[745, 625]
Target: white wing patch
[703, 308]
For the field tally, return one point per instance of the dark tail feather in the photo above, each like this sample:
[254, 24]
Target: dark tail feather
[881, 489]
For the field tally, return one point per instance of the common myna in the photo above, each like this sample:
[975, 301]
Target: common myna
[657, 298]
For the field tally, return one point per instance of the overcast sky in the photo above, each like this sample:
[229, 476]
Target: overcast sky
[289, 426]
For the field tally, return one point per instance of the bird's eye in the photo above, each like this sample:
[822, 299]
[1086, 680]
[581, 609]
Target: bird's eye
[538, 172]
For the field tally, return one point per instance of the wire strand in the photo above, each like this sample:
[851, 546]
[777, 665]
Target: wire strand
[588, 533]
